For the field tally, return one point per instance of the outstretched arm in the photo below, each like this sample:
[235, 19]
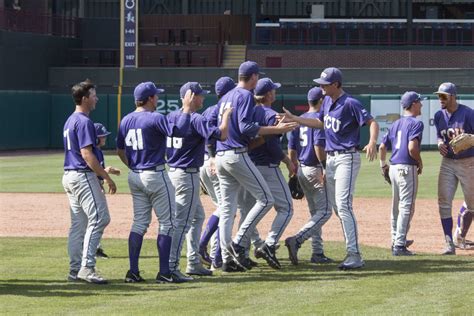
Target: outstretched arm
[310, 122]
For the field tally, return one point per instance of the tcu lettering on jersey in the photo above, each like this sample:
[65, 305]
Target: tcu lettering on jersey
[450, 133]
[332, 123]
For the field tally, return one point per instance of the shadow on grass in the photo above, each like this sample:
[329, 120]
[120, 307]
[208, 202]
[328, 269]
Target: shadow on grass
[374, 268]
[51, 288]
[304, 272]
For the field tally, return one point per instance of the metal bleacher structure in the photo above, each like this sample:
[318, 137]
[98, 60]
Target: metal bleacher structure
[366, 32]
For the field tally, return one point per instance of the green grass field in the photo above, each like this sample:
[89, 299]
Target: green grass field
[33, 273]
[33, 270]
[42, 173]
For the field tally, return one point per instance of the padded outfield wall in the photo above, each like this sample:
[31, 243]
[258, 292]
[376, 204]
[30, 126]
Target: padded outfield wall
[34, 120]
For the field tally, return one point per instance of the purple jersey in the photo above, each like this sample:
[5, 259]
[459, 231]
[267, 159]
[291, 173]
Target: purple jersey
[79, 132]
[399, 135]
[241, 126]
[187, 151]
[303, 140]
[448, 127]
[209, 114]
[143, 136]
[270, 152]
[342, 121]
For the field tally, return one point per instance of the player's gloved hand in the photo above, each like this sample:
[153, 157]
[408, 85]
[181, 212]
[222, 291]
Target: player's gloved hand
[371, 150]
[385, 174]
[443, 149]
[462, 142]
[111, 184]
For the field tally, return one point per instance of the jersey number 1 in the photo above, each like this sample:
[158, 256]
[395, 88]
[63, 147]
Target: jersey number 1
[134, 139]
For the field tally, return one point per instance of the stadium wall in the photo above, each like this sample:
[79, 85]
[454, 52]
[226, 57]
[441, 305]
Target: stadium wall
[34, 120]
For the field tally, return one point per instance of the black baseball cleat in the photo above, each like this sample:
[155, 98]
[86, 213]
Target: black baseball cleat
[101, 254]
[252, 263]
[320, 258]
[401, 251]
[249, 264]
[292, 244]
[238, 254]
[173, 277]
[267, 253]
[231, 266]
[72, 276]
[133, 277]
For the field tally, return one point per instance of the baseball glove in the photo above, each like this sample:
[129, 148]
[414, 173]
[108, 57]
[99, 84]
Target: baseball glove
[462, 142]
[385, 174]
[295, 188]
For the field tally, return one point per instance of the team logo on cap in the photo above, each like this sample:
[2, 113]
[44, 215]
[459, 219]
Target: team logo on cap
[324, 75]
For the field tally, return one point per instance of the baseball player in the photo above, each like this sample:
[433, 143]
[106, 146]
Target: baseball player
[452, 120]
[235, 168]
[88, 206]
[404, 139]
[141, 145]
[185, 157]
[267, 158]
[342, 116]
[210, 181]
[462, 227]
[306, 149]
[102, 134]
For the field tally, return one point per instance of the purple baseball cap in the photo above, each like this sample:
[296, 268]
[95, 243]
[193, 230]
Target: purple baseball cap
[145, 90]
[249, 68]
[100, 130]
[329, 75]
[315, 94]
[264, 85]
[195, 88]
[409, 97]
[446, 88]
[224, 85]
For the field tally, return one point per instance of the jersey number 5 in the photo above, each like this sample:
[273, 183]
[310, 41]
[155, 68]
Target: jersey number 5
[134, 139]
[303, 136]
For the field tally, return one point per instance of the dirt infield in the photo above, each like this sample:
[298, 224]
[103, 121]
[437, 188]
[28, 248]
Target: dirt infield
[46, 215]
